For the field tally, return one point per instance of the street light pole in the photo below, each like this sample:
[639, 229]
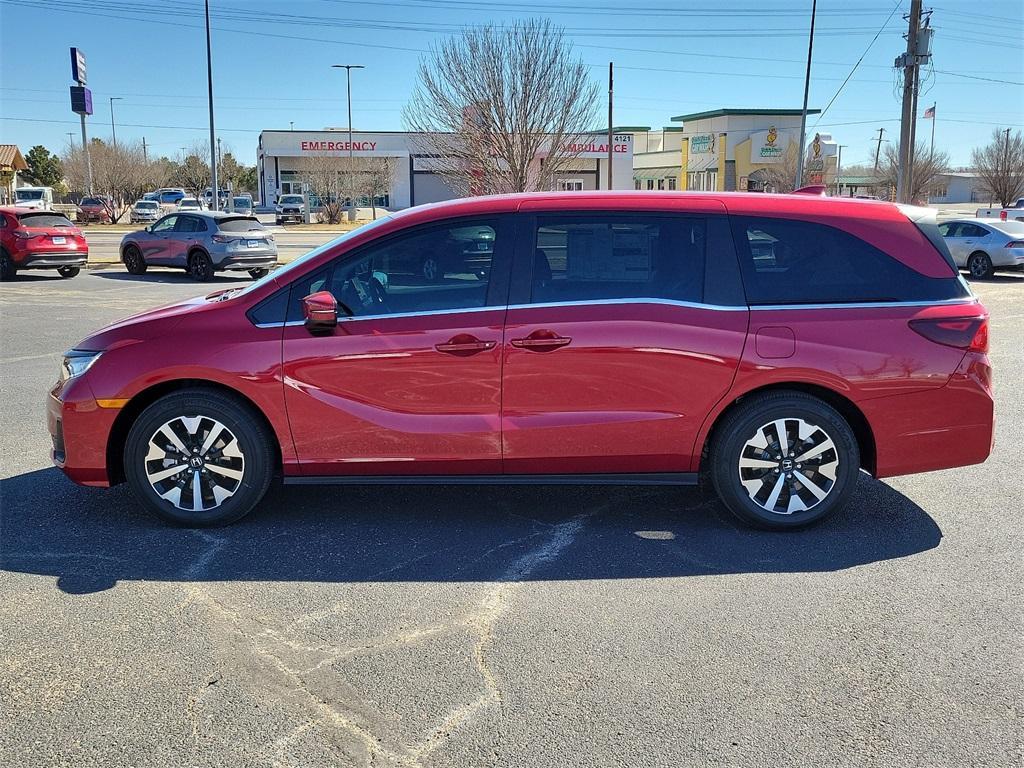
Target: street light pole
[215, 198]
[113, 132]
[348, 78]
[803, 114]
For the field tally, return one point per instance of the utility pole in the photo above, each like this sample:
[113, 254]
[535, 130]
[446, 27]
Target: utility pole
[213, 134]
[351, 170]
[878, 148]
[909, 62]
[71, 139]
[145, 156]
[803, 115]
[113, 133]
[611, 90]
[219, 160]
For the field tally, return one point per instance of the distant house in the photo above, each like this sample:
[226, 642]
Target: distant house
[11, 163]
[958, 187]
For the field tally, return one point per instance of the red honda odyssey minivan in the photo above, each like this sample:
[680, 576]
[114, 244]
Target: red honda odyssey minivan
[776, 345]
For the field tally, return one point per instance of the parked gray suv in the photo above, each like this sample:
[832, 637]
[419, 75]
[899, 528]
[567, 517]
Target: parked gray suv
[202, 243]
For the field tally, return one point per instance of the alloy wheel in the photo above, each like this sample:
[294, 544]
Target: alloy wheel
[195, 463]
[789, 465]
[979, 266]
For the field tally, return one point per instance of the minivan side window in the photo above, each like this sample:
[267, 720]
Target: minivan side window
[784, 261]
[618, 256]
[429, 269]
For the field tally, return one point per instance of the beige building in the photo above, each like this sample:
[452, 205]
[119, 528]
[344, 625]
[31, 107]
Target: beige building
[728, 150]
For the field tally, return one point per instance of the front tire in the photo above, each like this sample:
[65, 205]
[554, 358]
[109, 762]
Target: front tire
[68, 272]
[199, 458]
[200, 267]
[784, 460]
[980, 266]
[133, 261]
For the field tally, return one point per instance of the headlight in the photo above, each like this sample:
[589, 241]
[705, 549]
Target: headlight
[76, 362]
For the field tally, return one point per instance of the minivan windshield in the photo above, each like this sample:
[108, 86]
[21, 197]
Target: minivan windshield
[285, 273]
[239, 224]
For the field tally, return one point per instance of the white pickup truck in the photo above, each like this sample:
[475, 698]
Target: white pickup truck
[39, 198]
[1014, 213]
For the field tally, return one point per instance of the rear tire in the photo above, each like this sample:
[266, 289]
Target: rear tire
[783, 484]
[980, 266]
[133, 261]
[223, 449]
[200, 267]
[68, 272]
[7, 269]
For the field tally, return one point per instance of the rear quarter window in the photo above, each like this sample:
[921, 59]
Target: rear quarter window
[785, 261]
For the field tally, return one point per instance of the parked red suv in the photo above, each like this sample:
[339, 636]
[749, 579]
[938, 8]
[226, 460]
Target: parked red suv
[95, 209]
[33, 239]
[776, 345]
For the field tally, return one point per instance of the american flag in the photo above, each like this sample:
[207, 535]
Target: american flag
[929, 114]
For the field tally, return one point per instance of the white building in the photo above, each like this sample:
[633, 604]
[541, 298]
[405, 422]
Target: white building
[280, 153]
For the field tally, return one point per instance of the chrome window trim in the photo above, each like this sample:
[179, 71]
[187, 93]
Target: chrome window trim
[966, 301]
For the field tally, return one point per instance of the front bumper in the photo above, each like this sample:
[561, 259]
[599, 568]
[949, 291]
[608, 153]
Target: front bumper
[52, 259]
[79, 429]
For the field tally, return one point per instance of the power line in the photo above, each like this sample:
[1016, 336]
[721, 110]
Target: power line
[879, 32]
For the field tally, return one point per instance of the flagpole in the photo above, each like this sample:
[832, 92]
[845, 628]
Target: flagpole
[934, 105]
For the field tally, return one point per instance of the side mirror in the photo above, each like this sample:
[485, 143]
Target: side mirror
[321, 312]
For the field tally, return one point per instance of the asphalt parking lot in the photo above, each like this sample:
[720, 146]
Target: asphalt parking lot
[430, 626]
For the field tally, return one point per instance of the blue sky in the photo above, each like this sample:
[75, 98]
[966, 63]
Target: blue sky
[272, 64]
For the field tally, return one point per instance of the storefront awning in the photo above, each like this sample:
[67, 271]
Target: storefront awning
[656, 173]
[702, 163]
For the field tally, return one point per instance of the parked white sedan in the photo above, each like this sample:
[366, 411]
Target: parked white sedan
[982, 246]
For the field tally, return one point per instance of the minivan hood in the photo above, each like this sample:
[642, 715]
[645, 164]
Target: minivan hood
[143, 326]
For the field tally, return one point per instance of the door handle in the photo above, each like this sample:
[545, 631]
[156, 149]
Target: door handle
[464, 344]
[541, 341]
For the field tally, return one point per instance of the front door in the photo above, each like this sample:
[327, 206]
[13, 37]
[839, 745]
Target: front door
[156, 243]
[612, 358]
[409, 383]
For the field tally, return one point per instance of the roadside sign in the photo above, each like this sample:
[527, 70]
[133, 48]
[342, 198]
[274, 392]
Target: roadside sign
[78, 67]
[81, 100]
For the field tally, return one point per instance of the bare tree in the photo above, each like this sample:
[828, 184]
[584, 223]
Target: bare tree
[327, 176]
[1000, 164]
[502, 108]
[120, 174]
[193, 172]
[781, 176]
[374, 179]
[925, 170]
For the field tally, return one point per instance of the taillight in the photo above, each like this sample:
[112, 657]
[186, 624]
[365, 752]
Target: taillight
[1015, 244]
[21, 234]
[223, 239]
[1002, 215]
[970, 333]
